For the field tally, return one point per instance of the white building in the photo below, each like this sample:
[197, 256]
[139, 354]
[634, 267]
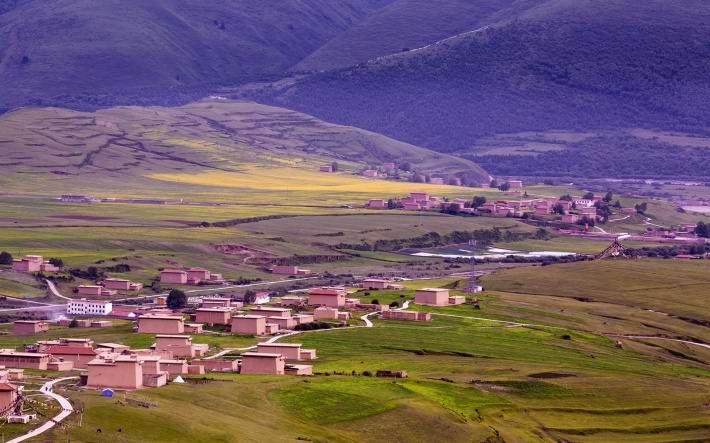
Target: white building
[89, 307]
[583, 203]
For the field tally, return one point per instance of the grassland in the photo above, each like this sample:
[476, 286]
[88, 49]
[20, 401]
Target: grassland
[470, 378]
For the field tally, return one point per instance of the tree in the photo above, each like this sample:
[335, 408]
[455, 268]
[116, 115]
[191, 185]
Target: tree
[494, 183]
[73, 323]
[478, 201]
[375, 301]
[176, 299]
[617, 204]
[249, 297]
[58, 262]
[566, 197]
[5, 258]
[334, 166]
[558, 209]
[703, 229]
[588, 196]
[394, 304]
[406, 166]
[641, 208]
[608, 197]
[504, 187]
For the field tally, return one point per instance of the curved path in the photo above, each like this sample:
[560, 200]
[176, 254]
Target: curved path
[54, 291]
[651, 337]
[67, 409]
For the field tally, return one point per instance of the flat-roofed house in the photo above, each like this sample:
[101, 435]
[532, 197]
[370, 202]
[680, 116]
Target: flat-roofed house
[29, 327]
[284, 269]
[333, 297]
[303, 318]
[174, 367]
[282, 322]
[216, 302]
[89, 307]
[325, 313]
[93, 290]
[173, 276]
[291, 351]
[213, 316]
[262, 363]
[120, 284]
[432, 296]
[161, 324]
[215, 365]
[249, 324]
[197, 275]
[178, 345]
[377, 203]
[25, 360]
[271, 312]
[29, 263]
[80, 356]
[115, 371]
[406, 315]
[193, 328]
[457, 299]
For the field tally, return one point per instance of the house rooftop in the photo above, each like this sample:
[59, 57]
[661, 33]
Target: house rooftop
[282, 345]
[5, 387]
[172, 336]
[261, 354]
[70, 350]
[251, 317]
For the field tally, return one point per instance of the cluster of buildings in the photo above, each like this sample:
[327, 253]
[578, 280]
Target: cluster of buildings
[191, 276]
[33, 263]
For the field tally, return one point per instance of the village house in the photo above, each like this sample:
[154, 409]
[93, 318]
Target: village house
[370, 173]
[29, 327]
[378, 283]
[193, 328]
[94, 290]
[268, 311]
[153, 375]
[292, 301]
[161, 324]
[457, 299]
[33, 263]
[580, 203]
[262, 363]
[333, 297]
[115, 348]
[289, 270]
[215, 365]
[213, 316]
[326, 168]
[100, 324]
[515, 184]
[216, 302]
[10, 358]
[376, 203]
[406, 315]
[179, 346]
[173, 276]
[79, 356]
[282, 322]
[437, 180]
[271, 328]
[432, 296]
[290, 351]
[570, 218]
[303, 318]
[389, 167]
[44, 345]
[119, 284]
[325, 313]
[174, 367]
[249, 324]
[9, 394]
[89, 307]
[115, 371]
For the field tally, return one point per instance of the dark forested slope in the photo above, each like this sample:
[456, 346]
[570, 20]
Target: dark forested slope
[560, 64]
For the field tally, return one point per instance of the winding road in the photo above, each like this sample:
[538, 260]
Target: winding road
[67, 409]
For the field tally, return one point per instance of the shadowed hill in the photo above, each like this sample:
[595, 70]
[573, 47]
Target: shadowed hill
[408, 24]
[68, 51]
[561, 64]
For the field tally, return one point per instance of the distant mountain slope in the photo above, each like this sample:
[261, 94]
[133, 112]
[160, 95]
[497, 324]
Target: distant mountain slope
[98, 51]
[217, 135]
[409, 24]
[562, 64]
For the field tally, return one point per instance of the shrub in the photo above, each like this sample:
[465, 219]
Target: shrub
[5, 258]
[176, 299]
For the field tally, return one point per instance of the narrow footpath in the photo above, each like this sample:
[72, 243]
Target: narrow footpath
[67, 409]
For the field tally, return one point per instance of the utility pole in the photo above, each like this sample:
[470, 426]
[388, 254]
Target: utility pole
[471, 288]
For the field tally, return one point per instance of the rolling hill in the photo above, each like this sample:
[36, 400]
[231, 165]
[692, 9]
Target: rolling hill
[124, 143]
[560, 64]
[82, 52]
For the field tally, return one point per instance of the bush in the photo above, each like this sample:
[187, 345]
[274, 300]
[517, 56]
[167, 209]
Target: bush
[375, 301]
[73, 323]
[5, 258]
